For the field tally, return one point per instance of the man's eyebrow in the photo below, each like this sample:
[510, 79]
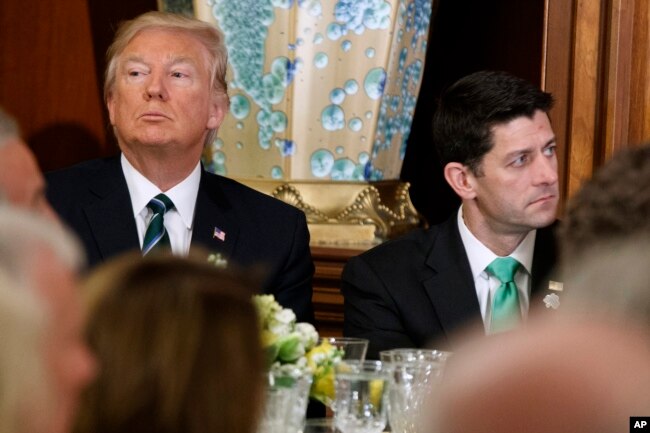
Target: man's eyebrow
[182, 60]
[552, 140]
[134, 59]
[174, 61]
[530, 149]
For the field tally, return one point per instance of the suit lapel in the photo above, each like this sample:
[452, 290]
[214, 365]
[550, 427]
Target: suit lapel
[450, 285]
[214, 211]
[544, 259]
[110, 217]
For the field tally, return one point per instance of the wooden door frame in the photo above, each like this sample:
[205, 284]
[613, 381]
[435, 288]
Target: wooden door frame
[596, 64]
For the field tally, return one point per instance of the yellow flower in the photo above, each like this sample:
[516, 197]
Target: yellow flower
[323, 387]
[321, 360]
[376, 392]
[268, 338]
[318, 355]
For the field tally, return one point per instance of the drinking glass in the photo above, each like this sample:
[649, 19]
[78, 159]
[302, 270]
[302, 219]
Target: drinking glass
[360, 402]
[319, 425]
[287, 396]
[413, 383]
[412, 355]
[343, 349]
[277, 402]
[353, 348]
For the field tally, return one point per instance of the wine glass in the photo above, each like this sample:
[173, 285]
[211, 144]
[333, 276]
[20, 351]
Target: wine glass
[360, 402]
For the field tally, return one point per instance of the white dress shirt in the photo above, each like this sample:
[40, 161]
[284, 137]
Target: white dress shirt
[178, 221]
[481, 256]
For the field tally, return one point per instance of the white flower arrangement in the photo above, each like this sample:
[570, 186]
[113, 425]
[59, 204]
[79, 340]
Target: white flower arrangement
[293, 348]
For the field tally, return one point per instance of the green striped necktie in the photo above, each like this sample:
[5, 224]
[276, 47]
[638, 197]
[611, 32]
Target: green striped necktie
[156, 238]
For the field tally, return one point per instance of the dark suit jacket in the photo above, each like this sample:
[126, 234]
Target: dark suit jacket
[261, 231]
[418, 289]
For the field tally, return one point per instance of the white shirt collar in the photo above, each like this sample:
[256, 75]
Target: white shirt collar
[481, 256]
[183, 195]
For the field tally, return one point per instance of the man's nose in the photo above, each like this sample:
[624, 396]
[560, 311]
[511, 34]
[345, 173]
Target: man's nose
[547, 170]
[155, 88]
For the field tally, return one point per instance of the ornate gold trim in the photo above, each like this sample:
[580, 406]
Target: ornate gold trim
[347, 212]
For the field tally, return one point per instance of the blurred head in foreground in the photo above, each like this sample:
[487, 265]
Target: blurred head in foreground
[556, 376]
[611, 279]
[178, 342]
[21, 182]
[22, 376]
[42, 258]
[613, 205]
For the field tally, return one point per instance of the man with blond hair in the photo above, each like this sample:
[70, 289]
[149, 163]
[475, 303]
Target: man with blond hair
[166, 94]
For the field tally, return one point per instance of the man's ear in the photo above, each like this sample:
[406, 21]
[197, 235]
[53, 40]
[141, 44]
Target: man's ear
[218, 108]
[459, 177]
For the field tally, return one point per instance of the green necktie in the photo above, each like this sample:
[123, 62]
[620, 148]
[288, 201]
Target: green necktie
[506, 313]
[156, 237]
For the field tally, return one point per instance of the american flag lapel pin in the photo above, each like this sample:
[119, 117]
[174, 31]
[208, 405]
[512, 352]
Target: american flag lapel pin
[219, 234]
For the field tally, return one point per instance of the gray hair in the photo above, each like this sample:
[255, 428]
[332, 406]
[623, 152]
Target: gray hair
[24, 235]
[611, 278]
[22, 369]
[8, 127]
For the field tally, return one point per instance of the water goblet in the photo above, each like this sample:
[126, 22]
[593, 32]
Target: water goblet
[413, 383]
[277, 401]
[333, 351]
[360, 402]
[402, 355]
[287, 395]
[319, 425]
[352, 348]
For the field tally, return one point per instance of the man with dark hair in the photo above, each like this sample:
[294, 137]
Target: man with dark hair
[488, 261]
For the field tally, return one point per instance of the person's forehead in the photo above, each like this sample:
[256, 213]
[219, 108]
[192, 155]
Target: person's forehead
[522, 127]
[170, 43]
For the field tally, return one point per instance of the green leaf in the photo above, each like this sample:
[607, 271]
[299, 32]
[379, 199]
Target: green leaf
[290, 348]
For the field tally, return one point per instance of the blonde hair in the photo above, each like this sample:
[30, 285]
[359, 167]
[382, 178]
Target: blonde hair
[22, 371]
[211, 38]
[178, 343]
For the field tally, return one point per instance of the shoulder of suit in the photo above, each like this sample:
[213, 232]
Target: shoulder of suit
[412, 243]
[83, 169]
[237, 192]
